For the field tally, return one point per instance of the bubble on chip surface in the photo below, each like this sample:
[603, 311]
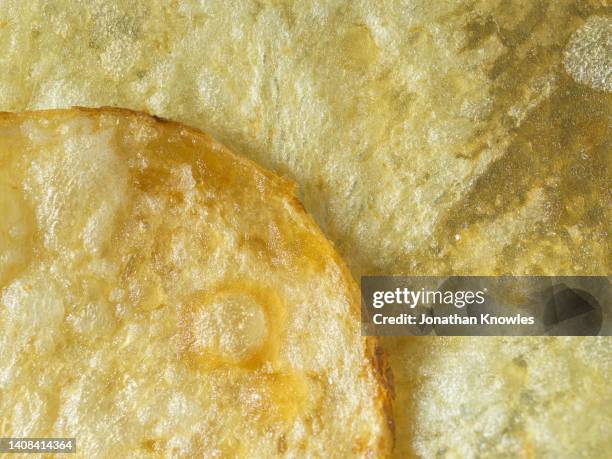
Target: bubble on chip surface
[588, 55]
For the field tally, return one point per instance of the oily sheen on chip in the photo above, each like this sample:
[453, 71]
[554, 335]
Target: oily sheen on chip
[427, 137]
[163, 296]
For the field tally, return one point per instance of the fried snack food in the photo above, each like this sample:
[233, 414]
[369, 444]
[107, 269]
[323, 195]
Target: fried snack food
[503, 397]
[405, 124]
[427, 137]
[163, 296]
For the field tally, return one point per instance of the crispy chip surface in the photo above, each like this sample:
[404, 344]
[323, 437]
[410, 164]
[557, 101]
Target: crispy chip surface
[161, 295]
[427, 137]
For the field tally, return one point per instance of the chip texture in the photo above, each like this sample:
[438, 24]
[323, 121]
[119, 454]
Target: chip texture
[161, 295]
[398, 120]
[503, 397]
[427, 137]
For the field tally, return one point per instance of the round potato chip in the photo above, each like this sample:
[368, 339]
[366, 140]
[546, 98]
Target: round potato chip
[161, 295]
